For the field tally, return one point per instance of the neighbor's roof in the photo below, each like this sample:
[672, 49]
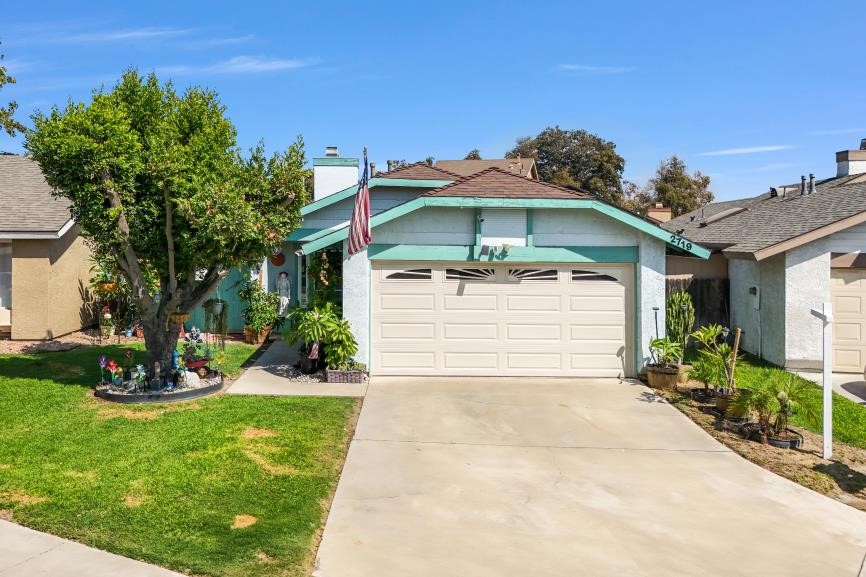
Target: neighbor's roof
[756, 225]
[26, 204]
[495, 182]
[418, 171]
[521, 166]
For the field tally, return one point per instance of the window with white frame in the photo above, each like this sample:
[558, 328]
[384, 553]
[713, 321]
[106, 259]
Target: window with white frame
[6, 276]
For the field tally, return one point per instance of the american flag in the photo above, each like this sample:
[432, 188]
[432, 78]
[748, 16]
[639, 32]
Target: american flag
[359, 227]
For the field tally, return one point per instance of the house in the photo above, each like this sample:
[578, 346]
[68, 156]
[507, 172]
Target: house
[786, 252]
[490, 273]
[44, 263]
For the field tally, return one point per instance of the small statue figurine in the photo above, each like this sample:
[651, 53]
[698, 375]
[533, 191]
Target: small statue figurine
[284, 289]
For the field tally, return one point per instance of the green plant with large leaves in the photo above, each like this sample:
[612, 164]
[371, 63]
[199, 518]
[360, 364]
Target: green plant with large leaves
[665, 352]
[680, 318]
[717, 356]
[262, 308]
[324, 325]
[774, 399]
[157, 183]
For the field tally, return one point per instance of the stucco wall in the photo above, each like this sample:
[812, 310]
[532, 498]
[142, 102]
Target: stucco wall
[381, 198]
[430, 225]
[682, 267]
[49, 286]
[807, 286]
[771, 314]
[577, 227]
[651, 291]
[744, 274]
[356, 299]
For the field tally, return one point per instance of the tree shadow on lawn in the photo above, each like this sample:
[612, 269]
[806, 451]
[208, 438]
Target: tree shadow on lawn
[848, 479]
[79, 366]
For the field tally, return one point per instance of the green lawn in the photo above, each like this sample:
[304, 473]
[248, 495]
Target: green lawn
[166, 483]
[849, 418]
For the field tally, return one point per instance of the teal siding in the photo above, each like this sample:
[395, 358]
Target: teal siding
[228, 291]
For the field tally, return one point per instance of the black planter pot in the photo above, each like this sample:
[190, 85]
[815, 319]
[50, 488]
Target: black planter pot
[703, 396]
[791, 442]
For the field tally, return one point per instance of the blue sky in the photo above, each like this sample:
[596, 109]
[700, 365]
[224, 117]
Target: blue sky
[752, 93]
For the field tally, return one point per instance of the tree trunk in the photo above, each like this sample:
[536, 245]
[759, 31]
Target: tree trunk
[160, 344]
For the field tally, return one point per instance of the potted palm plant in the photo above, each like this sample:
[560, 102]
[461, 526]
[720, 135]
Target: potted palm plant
[664, 371]
[323, 334]
[773, 401]
[720, 360]
[680, 321]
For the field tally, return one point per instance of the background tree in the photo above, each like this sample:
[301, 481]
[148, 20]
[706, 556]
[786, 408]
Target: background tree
[574, 158]
[473, 154]
[674, 187]
[157, 183]
[7, 123]
[636, 198]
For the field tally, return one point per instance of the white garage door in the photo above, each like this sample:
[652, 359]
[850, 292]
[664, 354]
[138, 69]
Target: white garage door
[848, 294]
[495, 319]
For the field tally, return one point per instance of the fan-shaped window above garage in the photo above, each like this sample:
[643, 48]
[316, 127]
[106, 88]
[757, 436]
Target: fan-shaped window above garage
[581, 275]
[477, 274]
[411, 274]
[533, 274]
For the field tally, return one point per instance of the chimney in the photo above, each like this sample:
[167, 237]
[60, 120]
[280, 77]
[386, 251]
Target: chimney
[802, 185]
[372, 169]
[811, 183]
[659, 212]
[851, 162]
[333, 173]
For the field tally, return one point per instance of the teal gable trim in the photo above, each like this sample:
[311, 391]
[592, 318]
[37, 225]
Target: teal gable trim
[467, 202]
[374, 183]
[331, 161]
[301, 233]
[594, 254]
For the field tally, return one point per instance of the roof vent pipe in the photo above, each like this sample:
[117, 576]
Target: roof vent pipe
[773, 192]
[863, 144]
[811, 183]
[802, 185]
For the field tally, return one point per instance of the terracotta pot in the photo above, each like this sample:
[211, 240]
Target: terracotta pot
[179, 318]
[202, 371]
[107, 286]
[278, 259]
[662, 377]
[253, 338]
[196, 364]
[683, 376]
[138, 332]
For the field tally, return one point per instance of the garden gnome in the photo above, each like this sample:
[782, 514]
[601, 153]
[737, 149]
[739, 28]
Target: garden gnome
[284, 289]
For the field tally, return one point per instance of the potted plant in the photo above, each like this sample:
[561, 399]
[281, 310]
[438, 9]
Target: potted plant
[310, 328]
[106, 324]
[721, 360]
[261, 312]
[663, 372]
[680, 321]
[340, 347]
[773, 400]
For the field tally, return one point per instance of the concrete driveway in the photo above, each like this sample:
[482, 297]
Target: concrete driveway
[520, 477]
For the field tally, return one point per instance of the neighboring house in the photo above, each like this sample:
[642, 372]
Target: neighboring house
[522, 166]
[44, 264]
[786, 252]
[488, 274]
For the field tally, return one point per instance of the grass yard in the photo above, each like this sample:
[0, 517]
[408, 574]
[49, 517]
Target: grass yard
[222, 486]
[849, 418]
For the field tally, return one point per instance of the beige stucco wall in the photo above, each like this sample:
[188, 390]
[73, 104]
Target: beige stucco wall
[49, 286]
[687, 268]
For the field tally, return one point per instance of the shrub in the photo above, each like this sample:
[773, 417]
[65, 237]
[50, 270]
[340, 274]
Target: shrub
[680, 319]
[262, 307]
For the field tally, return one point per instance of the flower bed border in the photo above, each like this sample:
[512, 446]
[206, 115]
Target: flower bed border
[163, 396]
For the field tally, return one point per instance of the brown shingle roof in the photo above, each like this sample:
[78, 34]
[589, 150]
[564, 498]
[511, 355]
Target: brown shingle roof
[521, 166]
[497, 183]
[26, 204]
[764, 221]
[419, 171]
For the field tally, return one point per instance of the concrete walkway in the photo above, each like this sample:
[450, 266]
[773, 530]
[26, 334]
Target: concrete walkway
[517, 477]
[849, 385]
[268, 376]
[28, 553]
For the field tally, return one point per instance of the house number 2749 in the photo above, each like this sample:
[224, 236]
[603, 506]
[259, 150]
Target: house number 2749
[680, 242]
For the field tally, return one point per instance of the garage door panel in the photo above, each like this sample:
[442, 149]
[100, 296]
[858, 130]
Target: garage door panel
[471, 360]
[470, 302]
[535, 303]
[847, 331]
[534, 332]
[471, 331]
[502, 325]
[416, 331]
[537, 361]
[848, 294]
[848, 305]
[406, 302]
[612, 332]
[595, 303]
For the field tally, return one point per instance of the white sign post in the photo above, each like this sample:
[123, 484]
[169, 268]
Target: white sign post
[826, 316]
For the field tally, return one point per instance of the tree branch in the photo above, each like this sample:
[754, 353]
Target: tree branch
[169, 239]
[197, 295]
[129, 260]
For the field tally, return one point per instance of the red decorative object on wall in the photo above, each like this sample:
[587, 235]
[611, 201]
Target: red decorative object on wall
[278, 259]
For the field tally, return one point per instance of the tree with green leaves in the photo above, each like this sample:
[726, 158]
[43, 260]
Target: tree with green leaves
[158, 184]
[473, 154]
[576, 159]
[674, 187]
[7, 122]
